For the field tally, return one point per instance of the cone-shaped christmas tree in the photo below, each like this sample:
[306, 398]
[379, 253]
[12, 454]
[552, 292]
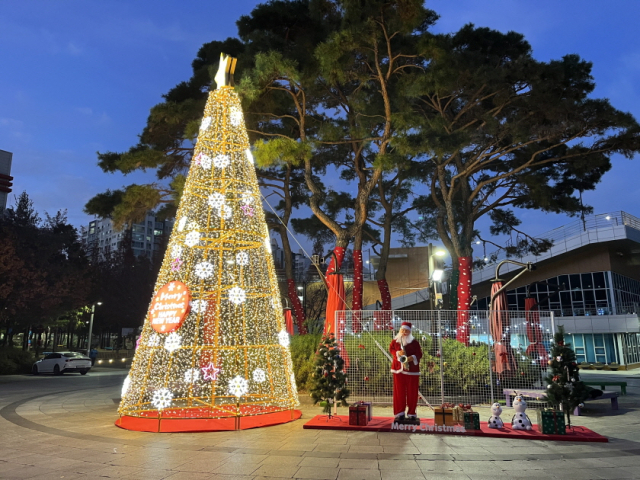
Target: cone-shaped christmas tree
[214, 352]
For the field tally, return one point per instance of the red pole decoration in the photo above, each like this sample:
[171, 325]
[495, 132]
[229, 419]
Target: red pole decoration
[356, 304]
[297, 306]
[288, 319]
[383, 319]
[383, 286]
[464, 299]
[335, 302]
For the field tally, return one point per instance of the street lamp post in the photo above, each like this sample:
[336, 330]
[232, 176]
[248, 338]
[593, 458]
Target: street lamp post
[436, 272]
[93, 311]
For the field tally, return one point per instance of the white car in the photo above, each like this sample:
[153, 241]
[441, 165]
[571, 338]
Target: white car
[61, 362]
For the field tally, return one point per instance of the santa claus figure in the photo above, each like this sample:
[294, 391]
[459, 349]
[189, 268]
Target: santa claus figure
[406, 353]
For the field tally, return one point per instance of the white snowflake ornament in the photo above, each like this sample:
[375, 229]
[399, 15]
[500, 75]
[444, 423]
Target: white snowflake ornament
[204, 161]
[181, 223]
[154, 340]
[259, 375]
[176, 251]
[283, 338]
[238, 386]
[242, 258]
[247, 198]
[237, 295]
[206, 121]
[192, 239]
[162, 398]
[199, 306]
[221, 161]
[204, 270]
[192, 375]
[235, 116]
[216, 200]
[173, 342]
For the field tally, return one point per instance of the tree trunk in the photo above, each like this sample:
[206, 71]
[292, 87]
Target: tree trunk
[464, 299]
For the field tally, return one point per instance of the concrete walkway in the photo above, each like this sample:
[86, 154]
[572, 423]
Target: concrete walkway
[62, 428]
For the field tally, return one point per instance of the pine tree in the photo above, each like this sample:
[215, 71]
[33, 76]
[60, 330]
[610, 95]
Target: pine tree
[564, 388]
[329, 380]
[227, 356]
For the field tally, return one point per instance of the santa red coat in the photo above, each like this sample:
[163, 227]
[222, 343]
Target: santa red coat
[411, 349]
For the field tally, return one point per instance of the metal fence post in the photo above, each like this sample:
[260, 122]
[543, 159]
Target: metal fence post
[441, 355]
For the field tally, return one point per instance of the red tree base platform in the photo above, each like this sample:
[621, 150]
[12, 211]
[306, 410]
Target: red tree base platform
[384, 424]
[177, 422]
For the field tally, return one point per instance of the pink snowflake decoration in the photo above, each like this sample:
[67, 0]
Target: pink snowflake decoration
[210, 372]
[176, 264]
[247, 210]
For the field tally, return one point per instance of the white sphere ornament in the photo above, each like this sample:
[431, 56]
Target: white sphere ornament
[238, 386]
[199, 306]
[125, 386]
[204, 270]
[283, 338]
[216, 200]
[221, 161]
[242, 258]
[237, 295]
[192, 375]
[173, 342]
[192, 239]
[162, 398]
[181, 223]
[259, 375]
[206, 122]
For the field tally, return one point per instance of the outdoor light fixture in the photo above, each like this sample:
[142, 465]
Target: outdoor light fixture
[437, 274]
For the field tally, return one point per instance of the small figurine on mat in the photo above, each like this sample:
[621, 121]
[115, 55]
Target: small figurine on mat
[495, 421]
[406, 353]
[520, 421]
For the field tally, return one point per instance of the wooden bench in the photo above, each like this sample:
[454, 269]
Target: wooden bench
[622, 385]
[539, 395]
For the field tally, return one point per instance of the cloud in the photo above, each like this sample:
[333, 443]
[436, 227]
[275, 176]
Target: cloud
[84, 110]
[73, 49]
[10, 122]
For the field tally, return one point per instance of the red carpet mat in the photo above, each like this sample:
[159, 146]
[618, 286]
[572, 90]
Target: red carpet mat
[384, 424]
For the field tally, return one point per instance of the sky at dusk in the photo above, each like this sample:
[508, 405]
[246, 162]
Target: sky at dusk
[79, 76]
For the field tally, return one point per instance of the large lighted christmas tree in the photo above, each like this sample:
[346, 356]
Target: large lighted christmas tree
[214, 351]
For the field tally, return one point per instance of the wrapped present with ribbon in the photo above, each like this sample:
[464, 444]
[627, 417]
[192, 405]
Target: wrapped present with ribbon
[358, 414]
[471, 420]
[443, 416]
[369, 409]
[458, 414]
[551, 421]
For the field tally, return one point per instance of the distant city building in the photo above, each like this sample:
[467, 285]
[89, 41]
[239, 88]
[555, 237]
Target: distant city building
[5, 179]
[145, 236]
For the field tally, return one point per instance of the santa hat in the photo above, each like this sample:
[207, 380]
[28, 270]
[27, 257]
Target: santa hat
[406, 325]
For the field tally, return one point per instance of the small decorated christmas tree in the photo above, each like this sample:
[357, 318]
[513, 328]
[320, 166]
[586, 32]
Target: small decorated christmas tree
[329, 380]
[564, 388]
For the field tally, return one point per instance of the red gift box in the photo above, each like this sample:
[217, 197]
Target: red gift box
[358, 414]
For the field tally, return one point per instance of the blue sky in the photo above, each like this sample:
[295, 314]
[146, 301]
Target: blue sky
[79, 76]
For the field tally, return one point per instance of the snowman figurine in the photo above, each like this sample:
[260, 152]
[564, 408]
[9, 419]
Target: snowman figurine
[520, 421]
[495, 421]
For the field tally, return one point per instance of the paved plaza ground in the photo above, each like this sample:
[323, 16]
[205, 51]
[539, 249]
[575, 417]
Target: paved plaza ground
[62, 428]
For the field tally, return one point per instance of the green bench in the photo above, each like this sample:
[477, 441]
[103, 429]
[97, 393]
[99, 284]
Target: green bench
[622, 385]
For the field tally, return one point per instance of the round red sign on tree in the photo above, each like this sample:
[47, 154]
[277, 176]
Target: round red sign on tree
[169, 307]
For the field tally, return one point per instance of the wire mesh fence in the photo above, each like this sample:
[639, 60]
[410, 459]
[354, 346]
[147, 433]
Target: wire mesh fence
[507, 350]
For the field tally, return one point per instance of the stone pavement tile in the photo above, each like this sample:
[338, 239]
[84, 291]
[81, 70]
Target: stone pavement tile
[273, 470]
[360, 464]
[298, 446]
[236, 468]
[358, 474]
[439, 466]
[321, 473]
[116, 472]
[329, 447]
[200, 465]
[485, 457]
[623, 461]
[246, 458]
[360, 456]
[321, 454]
[365, 449]
[398, 465]
[521, 465]
[282, 460]
[256, 451]
[395, 456]
[256, 478]
[363, 441]
[404, 450]
[435, 456]
[10, 453]
[197, 476]
[405, 475]
[319, 462]
[615, 472]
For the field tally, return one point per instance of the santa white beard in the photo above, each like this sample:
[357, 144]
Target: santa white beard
[402, 340]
